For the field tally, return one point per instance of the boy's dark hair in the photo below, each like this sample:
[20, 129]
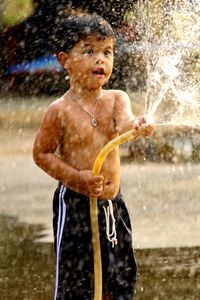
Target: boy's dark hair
[70, 28]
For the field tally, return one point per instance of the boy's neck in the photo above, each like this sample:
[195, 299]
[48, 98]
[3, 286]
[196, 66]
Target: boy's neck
[88, 95]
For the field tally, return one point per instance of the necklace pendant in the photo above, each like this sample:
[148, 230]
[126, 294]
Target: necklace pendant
[94, 122]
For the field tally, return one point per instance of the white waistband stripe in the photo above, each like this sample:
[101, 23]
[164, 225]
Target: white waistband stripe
[60, 227]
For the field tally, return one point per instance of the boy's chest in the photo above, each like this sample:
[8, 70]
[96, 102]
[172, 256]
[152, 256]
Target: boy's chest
[78, 124]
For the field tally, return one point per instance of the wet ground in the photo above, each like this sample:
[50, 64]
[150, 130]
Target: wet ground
[163, 201]
[27, 267]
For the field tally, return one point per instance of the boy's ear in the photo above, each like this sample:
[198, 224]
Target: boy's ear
[64, 60]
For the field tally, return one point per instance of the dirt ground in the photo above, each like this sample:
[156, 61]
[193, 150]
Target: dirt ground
[163, 199]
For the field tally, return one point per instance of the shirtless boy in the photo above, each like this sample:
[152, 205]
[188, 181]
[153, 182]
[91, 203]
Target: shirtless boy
[73, 131]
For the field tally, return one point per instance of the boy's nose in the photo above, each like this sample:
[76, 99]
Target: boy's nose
[99, 60]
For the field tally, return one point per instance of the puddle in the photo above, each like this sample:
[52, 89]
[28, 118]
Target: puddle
[27, 267]
[168, 274]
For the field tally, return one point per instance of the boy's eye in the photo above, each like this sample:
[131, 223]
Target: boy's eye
[88, 51]
[107, 53]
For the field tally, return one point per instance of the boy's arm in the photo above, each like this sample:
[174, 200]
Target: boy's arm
[45, 145]
[123, 112]
[46, 142]
[124, 117]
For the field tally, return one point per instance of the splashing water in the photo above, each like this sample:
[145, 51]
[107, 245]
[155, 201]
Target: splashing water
[173, 62]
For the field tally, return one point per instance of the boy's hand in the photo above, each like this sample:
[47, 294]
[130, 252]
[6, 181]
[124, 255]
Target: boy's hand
[142, 121]
[90, 185]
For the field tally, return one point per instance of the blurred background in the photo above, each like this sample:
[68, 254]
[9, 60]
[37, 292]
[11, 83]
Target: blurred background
[158, 63]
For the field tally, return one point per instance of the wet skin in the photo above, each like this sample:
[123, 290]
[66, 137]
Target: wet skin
[67, 126]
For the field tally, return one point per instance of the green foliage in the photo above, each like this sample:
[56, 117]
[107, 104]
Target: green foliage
[15, 11]
[171, 147]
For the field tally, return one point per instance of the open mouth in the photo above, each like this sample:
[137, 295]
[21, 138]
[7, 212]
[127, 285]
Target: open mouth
[99, 72]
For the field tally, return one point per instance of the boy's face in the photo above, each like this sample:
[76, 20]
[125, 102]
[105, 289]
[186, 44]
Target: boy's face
[90, 62]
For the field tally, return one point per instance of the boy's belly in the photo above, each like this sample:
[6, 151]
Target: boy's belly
[110, 191]
[110, 170]
[111, 173]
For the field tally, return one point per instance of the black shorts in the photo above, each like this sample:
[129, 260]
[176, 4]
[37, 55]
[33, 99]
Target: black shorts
[73, 248]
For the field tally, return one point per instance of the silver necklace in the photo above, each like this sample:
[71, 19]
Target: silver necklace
[92, 115]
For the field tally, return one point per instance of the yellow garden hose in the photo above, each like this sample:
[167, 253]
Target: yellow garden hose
[132, 134]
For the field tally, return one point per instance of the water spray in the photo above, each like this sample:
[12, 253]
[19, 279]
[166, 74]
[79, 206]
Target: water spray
[168, 91]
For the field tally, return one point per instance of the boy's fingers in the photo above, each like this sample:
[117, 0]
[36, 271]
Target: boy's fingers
[149, 130]
[142, 120]
[136, 124]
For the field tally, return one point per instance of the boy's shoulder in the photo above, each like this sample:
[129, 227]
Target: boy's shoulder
[121, 97]
[117, 93]
[54, 110]
[57, 104]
